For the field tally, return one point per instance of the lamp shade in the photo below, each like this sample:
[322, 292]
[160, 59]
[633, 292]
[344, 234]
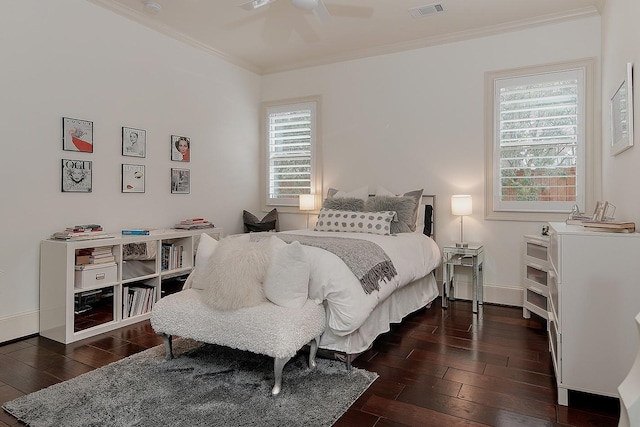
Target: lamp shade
[461, 205]
[307, 202]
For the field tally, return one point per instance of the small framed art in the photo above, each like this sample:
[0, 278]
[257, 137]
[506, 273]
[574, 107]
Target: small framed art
[77, 135]
[180, 148]
[134, 142]
[180, 181]
[622, 114]
[76, 176]
[133, 178]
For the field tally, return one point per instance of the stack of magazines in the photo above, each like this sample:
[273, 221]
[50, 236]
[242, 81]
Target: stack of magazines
[81, 232]
[194, 224]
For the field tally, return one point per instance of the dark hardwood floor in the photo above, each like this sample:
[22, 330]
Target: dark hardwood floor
[438, 368]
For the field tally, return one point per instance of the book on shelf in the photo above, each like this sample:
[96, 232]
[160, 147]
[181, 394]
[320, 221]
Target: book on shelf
[82, 235]
[141, 231]
[191, 221]
[194, 226]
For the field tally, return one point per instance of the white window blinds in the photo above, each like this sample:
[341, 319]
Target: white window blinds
[539, 142]
[290, 148]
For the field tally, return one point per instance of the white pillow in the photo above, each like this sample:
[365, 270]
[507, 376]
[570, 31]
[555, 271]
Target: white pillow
[287, 282]
[236, 273]
[358, 193]
[206, 246]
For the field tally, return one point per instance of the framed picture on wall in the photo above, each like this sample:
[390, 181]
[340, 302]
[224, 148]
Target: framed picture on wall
[76, 176]
[77, 135]
[622, 114]
[180, 181]
[133, 177]
[180, 148]
[134, 142]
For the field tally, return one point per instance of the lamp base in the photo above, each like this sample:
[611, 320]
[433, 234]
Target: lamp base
[462, 244]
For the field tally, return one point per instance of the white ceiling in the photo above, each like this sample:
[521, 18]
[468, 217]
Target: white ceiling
[279, 36]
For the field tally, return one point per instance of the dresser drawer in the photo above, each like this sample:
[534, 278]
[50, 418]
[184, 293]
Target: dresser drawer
[536, 302]
[536, 250]
[536, 275]
[555, 344]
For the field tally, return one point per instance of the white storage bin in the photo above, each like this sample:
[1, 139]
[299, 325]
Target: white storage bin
[96, 275]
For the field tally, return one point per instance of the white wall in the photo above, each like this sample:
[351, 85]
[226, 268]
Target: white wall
[72, 58]
[415, 120]
[621, 44]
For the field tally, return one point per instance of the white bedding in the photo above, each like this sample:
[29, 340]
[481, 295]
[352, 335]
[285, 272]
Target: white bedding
[414, 256]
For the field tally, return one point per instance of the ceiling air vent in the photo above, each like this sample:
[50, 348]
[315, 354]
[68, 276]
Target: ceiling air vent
[429, 9]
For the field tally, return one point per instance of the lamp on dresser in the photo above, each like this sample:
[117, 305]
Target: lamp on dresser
[461, 204]
[307, 202]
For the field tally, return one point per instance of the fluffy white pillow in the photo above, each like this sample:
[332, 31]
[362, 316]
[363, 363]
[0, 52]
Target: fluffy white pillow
[236, 272]
[287, 282]
[206, 246]
[358, 193]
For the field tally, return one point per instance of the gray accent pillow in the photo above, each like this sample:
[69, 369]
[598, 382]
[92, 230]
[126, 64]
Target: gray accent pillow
[268, 223]
[344, 204]
[404, 207]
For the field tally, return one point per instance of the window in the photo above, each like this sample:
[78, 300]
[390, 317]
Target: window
[538, 141]
[290, 145]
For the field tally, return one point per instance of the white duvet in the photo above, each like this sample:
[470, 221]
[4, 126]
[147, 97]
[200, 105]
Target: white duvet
[413, 254]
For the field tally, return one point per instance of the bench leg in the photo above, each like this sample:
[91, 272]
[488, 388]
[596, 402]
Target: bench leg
[168, 345]
[278, 365]
[313, 350]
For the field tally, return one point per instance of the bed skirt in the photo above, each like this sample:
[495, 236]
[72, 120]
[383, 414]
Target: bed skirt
[401, 303]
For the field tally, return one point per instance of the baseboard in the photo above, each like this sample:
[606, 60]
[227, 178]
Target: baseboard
[19, 325]
[503, 295]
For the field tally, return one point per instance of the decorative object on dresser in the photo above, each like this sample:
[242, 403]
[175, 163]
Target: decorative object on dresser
[77, 304]
[461, 205]
[197, 388]
[592, 351]
[536, 276]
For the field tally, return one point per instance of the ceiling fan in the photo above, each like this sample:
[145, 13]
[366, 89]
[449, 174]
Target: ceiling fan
[317, 7]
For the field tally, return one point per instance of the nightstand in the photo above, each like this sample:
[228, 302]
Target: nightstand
[471, 256]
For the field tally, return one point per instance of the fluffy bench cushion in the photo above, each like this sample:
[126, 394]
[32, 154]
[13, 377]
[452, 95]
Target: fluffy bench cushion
[265, 329]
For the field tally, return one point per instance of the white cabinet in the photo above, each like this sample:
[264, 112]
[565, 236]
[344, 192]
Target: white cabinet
[76, 306]
[594, 296]
[536, 276]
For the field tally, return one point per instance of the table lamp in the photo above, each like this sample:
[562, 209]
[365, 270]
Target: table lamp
[461, 204]
[307, 202]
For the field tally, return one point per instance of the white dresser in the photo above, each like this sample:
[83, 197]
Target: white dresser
[594, 290]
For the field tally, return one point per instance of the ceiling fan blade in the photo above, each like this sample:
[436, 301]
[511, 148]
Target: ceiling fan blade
[321, 13]
[255, 4]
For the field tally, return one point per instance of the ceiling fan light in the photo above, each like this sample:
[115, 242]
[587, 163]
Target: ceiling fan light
[305, 4]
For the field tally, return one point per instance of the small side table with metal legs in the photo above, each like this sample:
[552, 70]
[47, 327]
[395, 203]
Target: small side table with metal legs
[470, 256]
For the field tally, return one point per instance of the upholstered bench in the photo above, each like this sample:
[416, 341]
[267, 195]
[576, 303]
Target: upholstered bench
[268, 329]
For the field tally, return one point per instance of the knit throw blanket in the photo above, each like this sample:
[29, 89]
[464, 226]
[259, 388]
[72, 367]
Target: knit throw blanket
[368, 261]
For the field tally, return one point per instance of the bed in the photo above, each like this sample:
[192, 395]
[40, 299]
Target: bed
[355, 318]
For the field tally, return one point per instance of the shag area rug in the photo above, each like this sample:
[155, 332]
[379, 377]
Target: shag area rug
[204, 385]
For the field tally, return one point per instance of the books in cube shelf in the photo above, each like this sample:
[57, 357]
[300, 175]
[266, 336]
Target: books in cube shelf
[141, 231]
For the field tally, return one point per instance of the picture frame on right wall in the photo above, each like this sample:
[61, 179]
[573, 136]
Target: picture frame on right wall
[622, 114]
